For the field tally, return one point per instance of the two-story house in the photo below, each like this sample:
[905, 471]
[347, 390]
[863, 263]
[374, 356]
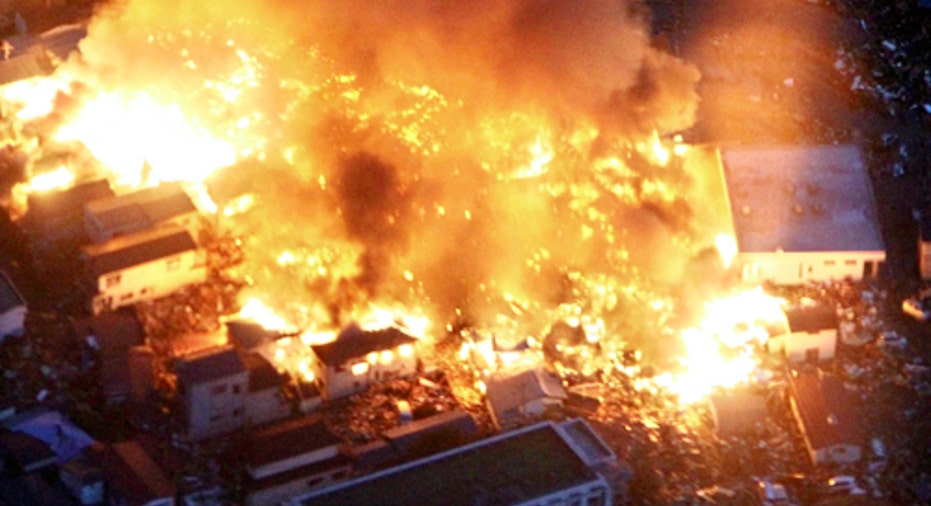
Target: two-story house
[152, 207]
[292, 458]
[143, 265]
[359, 358]
[213, 385]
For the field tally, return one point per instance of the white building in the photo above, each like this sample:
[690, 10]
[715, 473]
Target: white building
[143, 265]
[359, 358]
[12, 309]
[810, 335]
[213, 386]
[527, 394]
[802, 213]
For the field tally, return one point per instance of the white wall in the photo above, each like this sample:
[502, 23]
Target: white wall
[212, 414]
[12, 322]
[796, 345]
[344, 382]
[785, 268]
[150, 280]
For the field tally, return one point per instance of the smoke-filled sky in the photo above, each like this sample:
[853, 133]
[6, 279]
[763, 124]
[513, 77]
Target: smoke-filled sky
[389, 146]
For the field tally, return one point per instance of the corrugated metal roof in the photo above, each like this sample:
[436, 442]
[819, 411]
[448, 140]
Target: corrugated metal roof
[513, 391]
[799, 199]
[138, 248]
[143, 208]
[826, 409]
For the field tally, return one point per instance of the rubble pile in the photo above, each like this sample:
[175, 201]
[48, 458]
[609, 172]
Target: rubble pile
[362, 417]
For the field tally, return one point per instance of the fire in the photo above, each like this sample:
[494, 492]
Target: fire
[144, 141]
[255, 310]
[727, 248]
[56, 179]
[721, 352]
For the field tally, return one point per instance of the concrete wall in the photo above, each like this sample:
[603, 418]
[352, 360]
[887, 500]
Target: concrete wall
[785, 268]
[340, 382]
[795, 346]
[212, 414]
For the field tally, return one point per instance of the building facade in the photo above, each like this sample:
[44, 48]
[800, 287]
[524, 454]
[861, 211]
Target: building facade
[12, 309]
[811, 335]
[142, 266]
[213, 385]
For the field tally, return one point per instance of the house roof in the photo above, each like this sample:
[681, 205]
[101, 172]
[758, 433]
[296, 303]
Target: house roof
[811, 319]
[141, 209]
[135, 475]
[9, 295]
[116, 332]
[210, 365]
[33, 62]
[262, 374]
[799, 199]
[138, 248]
[505, 394]
[510, 468]
[289, 439]
[827, 409]
[404, 437]
[353, 342]
[55, 209]
[737, 413]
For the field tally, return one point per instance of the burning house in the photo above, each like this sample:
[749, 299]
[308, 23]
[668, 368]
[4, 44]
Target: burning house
[143, 265]
[58, 216]
[266, 401]
[359, 358]
[144, 209]
[542, 464]
[802, 213]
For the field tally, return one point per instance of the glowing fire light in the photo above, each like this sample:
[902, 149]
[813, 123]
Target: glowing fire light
[56, 179]
[128, 133]
[721, 351]
[258, 312]
[727, 248]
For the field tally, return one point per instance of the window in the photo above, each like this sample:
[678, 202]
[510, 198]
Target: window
[217, 390]
[850, 262]
[173, 264]
[237, 412]
[829, 262]
[112, 280]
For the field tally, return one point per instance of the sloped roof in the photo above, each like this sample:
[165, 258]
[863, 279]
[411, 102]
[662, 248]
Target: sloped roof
[53, 210]
[289, 439]
[811, 319]
[143, 208]
[210, 365]
[138, 478]
[511, 392]
[737, 413]
[28, 64]
[827, 410]
[262, 374]
[138, 248]
[801, 198]
[9, 295]
[115, 331]
[353, 342]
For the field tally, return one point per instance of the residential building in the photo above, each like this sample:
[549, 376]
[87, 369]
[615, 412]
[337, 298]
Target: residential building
[56, 216]
[152, 207]
[133, 478]
[802, 214]
[543, 464]
[111, 336]
[811, 335]
[143, 265]
[12, 309]
[290, 459]
[827, 418]
[213, 385]
[359, 358]
[265, 401]
[517, 397]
